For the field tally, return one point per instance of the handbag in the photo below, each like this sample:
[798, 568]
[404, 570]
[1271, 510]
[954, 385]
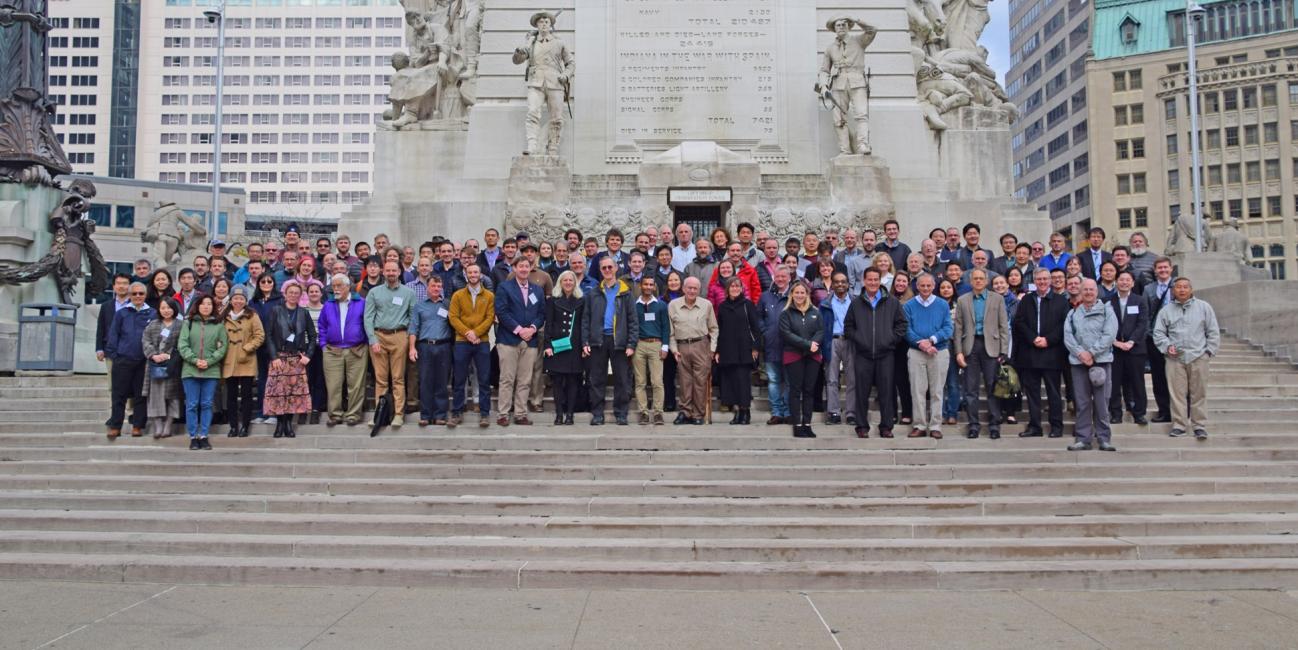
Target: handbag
[160, 370]
[564, 344]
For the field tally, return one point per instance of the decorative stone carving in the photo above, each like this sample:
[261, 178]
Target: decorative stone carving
[843, 86]
[548, 222]
[72, 240]
[173, 235]
[1181, 235]
[965, 22]
[785, 222]
[549, 82]
[1231, 241]
[951, 69]
[435, 84]
[29, 151]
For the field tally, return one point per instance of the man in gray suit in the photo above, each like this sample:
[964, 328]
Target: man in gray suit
[983, 339]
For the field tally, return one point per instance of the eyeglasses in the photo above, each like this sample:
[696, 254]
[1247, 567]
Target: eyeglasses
[137, 293]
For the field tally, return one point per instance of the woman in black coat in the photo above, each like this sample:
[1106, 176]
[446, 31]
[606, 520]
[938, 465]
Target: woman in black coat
[803, 332]
[563, 315]
[738, 341]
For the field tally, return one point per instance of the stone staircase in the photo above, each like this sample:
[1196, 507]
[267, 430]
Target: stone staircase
[711, 507]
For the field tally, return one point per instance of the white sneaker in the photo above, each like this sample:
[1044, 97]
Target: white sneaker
[271, 420]
[258, 421]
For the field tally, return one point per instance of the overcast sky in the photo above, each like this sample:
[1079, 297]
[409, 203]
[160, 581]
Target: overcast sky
[996, 38]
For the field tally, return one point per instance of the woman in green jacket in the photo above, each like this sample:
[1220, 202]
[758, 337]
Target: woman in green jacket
[202, 345]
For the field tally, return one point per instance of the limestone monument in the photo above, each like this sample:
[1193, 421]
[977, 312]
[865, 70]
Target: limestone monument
[1231, 241]
[844, 84]
[174, 237]
[549, 82]
[691, 112]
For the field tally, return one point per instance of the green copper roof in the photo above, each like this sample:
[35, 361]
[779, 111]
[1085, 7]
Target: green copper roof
[1151, 16]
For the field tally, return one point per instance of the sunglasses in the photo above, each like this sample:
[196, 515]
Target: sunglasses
[137, 293]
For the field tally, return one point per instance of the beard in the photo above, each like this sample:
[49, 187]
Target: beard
[1139, 251]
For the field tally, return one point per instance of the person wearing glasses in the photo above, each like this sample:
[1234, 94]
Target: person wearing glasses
[124, 345]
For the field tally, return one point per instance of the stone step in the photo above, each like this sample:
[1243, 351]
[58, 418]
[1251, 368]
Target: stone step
[841, 471]
[917, 527]
[1259, 573]
[626, 549]
[901, 487]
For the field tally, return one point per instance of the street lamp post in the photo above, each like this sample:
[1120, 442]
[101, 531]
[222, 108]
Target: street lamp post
[217, 16]
[1193, 13]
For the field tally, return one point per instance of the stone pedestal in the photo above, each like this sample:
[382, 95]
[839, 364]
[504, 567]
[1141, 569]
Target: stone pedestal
[700, 164]
[862, 184]
[24, 238]
[1207, 270]
[539, 180]
[975, 152]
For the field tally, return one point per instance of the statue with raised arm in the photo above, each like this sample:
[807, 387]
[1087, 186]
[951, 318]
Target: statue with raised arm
[965, 22]
[1230, 240]
[549, 82]
[843, 83]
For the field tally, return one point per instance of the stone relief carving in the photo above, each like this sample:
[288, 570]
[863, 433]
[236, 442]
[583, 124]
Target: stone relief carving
[73, 234]
[435, 84]
[784, 222]
[29, 151]
[951, 69]
[173, 236]
[548, 222]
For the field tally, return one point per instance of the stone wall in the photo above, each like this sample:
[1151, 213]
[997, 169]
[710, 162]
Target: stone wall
[1262, 312]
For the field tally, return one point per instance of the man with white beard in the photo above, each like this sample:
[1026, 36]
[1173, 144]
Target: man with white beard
[1142, 259]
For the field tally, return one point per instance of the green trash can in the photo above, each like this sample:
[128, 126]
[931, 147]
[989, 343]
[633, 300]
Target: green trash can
[47, 336]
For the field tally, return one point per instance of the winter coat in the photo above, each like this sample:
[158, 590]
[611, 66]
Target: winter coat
[123, 341]
[294, 324]
[626, 327]
[200, 339]
[1090, 329]
[564, 317]
[153, 343]
[245, 335]
[875, 332]
[798, 330]
[739, 332]
[769, 309]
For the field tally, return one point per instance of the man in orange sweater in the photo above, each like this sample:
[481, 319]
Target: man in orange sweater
[473, 310]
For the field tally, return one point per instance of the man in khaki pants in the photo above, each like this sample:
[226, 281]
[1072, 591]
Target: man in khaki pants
[1187, 334]
[342, 333]
[650, 351]
[387, 317]
[694, 340]
[520, 314]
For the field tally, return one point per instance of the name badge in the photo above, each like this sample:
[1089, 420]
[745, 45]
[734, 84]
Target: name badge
[165, 332]
[1032, 288]
[290, 338]
[531, 298]
[442, 312]
[1133, 309]
[650, 317]
[398, 300]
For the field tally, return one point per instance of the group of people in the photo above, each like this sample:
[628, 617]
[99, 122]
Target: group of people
[305, 330]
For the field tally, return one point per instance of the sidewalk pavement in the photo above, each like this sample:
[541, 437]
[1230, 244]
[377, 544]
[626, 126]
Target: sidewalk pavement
[141, 616]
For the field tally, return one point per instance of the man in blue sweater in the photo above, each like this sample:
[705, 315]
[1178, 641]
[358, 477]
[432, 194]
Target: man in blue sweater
[928, 334]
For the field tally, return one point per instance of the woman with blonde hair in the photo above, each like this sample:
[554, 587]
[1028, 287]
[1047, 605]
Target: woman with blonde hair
[563, 316]
[802, 331]
[883, 262]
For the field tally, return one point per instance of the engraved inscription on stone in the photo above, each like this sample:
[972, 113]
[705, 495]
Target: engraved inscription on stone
[696, 70]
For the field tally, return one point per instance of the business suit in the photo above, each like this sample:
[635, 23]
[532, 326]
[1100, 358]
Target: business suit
[982, 353]
[1036, 365]
[1089, 268]
[1129, 366]
[516, 308]
[1156, 298]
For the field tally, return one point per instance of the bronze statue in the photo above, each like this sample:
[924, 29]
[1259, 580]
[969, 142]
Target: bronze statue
[29, 151]
[72, 238]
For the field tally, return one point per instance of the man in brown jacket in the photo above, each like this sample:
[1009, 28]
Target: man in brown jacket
[473, 310]
[982, 338]
[694, 340]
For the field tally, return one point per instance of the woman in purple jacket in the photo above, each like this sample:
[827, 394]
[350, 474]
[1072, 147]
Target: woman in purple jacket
[346, 355]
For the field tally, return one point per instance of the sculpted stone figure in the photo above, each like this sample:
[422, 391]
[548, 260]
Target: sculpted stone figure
[927, 25]
[939, 92]
[172, 243]
[549, 82]
[843, 85]
[1231, 240]
[965, 22]
[1181, 235]
[437, 79]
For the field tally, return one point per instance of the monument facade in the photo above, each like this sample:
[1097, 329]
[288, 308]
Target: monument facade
[791, 114]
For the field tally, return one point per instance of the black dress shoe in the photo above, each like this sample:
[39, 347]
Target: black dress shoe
[558, 419]
[1030, 433]
[194, 444]
[698, 422]
[1140, 420]
[204, 443]
[973, 433]
[597, 420]
[851, 420]
[1079, 446]
[1104, 446]
[803, 432]
[621, 420]
[234, 431]
[1056, 434]
[1161, 419]
[1115, 418]
[681, 418]
[833, 418]
[995, 434]
[885, 433]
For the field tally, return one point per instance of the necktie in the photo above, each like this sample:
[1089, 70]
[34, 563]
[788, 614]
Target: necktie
[1039, 301]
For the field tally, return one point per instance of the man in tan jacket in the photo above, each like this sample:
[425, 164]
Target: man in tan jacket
[982, 338]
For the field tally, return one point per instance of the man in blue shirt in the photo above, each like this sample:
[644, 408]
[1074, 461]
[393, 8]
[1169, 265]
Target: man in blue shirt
[928, 334]
[834, 309]
[1057, 258]
[430, 347]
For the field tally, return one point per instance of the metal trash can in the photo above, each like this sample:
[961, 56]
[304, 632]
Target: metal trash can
[47, 336]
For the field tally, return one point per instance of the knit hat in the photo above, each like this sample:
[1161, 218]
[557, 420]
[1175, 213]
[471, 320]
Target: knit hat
[239, 290]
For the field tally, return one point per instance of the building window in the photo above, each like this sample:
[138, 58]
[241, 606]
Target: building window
[1141, 217]
[1229, 99]
[1124, 151]
[1268, 95]
[1233, 174]
[1124, 219]
[1169, 109]
[1119, 81]
[1137, 147]
[1119, 115]
[1232, 136]
[1173, 179]
[1171, 143]
[1130, 30]
[1255, 208]
[1250, 134]
[1270, 132]
[1138, 183]
[1253, 171]
[1214, 174]
[1273, 206]
[1248, 97]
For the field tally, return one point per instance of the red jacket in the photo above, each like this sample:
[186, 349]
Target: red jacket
[748, 275]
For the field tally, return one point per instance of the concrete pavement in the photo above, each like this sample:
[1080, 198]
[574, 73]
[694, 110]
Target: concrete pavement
[42, 614]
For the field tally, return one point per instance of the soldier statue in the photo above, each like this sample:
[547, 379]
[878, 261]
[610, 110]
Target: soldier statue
[843, 83]
[549, 82]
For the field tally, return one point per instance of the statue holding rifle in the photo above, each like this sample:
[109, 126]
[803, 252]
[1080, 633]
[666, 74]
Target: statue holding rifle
[549, 82]
[844, 84]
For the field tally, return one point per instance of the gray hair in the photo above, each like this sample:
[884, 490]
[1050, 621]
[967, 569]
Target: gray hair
[339, 277]
[137, 284]
[557, 291]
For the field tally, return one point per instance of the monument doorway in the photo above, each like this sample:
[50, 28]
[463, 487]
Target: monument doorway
[702, 209]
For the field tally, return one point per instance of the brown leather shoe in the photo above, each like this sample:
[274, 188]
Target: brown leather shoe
[658, 418]
[423, 423]
[136, 432]
[535, 408]
[644, 418]
[885, 433]
[113, 433]
[484, 423]
[862, 432]
[775, 419]
[439, 423]
[936, 435]
[502, 420]
[523, 421]
[916, 433]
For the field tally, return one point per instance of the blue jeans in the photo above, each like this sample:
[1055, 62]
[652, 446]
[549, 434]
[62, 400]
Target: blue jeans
[198, 405]
[480, 354]
[777, 389]
[434, 376]
[951, 394]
